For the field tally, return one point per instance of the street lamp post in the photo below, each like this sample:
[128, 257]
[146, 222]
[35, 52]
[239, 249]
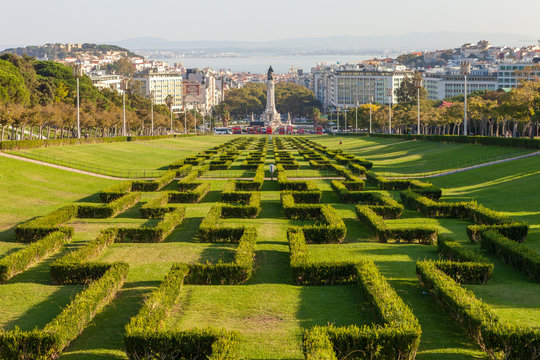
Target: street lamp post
[124, 88]
[390, 110]
[338, 119]
[370, 101]
[77, 73]
[465, 69]
[418, 85]
[152, 113]
[356, 115]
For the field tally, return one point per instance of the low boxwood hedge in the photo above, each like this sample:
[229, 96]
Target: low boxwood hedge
[48, 343]
[107, 210]
[211, 231]
[397, 338]
[519, 256]
[154, 234]
[237, 272]
[38, 228]
[18, 261]
[115, 191]
[419, 234]
[154, 185]
[145, 337]
[197, 192]
[498, 338]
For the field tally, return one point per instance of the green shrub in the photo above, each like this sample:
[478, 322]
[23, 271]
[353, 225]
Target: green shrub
[21, 260]
[383, 233]
[306, 272]
[156, 208]
[519, 256]
[246, 210]
[513, 231]
[64, 328]
[153, 234]
[237, 272]
[154, 185]
[499, 339]
[397, 338]
[76, 267]
[108, 210]
[211, 231]
[145, 337]
[191, 196]
[468, 272]
[116, 191]
[40, 227]
[456, 252]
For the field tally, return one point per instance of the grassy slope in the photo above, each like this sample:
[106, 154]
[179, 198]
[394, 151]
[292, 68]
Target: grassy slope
[153, 154]
[269, 311]
[395, 157]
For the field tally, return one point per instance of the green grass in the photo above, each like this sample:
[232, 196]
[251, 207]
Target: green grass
[269, 312]
[102, 158]
[393, 157]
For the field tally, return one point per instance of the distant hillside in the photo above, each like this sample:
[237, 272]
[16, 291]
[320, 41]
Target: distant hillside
[61, 51]
[347, 43]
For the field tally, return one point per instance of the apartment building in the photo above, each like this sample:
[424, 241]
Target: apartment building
[445, 83]
[159, 86]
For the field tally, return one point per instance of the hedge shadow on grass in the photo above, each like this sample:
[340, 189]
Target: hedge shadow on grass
[211, 197]
[186, 232]
[129, 299]
[43, 312]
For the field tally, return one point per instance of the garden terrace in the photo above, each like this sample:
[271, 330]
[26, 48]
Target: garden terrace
[203, 281]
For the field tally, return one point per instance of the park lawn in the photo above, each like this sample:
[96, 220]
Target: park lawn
[408, 157]
[269, 311]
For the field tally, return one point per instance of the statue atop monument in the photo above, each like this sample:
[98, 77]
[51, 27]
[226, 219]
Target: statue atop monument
[270, 73]
[270, 116]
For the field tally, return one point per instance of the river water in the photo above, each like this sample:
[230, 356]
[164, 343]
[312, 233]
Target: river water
[259, 63]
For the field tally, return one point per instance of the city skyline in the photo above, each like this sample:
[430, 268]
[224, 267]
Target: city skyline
[212, 20]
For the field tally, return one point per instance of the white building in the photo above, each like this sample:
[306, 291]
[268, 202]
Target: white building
[509, 73]
[348, 85]
[445, 83]
[102, 80]
[160, 85]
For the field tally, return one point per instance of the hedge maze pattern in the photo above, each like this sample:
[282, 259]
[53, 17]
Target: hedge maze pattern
[396, 332]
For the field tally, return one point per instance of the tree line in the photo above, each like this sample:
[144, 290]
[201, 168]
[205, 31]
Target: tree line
[38, 100]
[490, 113]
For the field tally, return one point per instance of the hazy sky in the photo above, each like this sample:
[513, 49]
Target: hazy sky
[27, 22]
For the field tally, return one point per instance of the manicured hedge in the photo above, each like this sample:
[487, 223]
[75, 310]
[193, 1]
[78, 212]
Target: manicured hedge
[329, 228]
[76, 267]
[154, 234]
[397, 338]
[307, 272]
[383, 233]
[108, 210]
[480, 140]
[145, 338]
[431, 191]
[31, 144]
[49, 342]
[515, 231]
[154, 185]
[519, 256]
[471, 210]
[40, 227]
[454, 251]
[498, 338]
[157, 207]
[468, 272]
[211, 231]
[237, 272]
[115, 191]
[198, 192]
[18, 261]
[245, 210]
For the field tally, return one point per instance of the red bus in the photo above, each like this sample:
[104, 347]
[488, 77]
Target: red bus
[236, 130]
[250, 130]
[318, 130]
[301, 131]
[268, 130]
[281, 130]
[289, 129]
